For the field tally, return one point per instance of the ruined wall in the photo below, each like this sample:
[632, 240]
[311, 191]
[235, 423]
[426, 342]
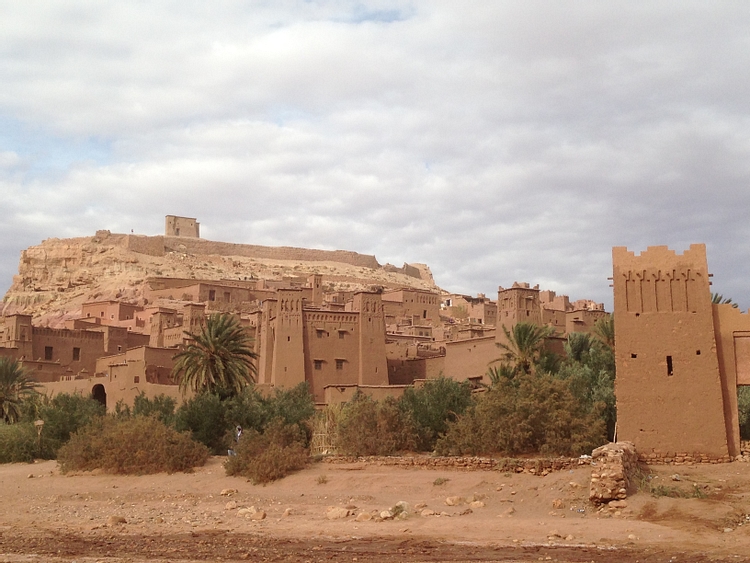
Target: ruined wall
[613, 468]
[181, 226]
[668, 385]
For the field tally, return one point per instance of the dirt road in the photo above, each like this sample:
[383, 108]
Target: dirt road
[450, 516]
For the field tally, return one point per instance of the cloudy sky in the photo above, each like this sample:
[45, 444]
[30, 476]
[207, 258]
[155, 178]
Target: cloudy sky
[494, 141]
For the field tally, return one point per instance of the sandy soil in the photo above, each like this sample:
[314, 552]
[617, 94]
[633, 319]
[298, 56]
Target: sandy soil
[46, 516]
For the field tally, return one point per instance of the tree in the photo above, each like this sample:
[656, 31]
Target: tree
[218, 357]
[524, 347]
[15, 386]
[604, 330]
[718, 299]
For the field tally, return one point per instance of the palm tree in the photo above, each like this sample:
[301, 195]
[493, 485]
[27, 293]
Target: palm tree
[524, 346]
[15, 386]
[217, 357]
[577, 346]
[718, 299]
[604, 330]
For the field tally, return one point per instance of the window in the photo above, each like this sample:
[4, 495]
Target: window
[320, 333]
[670, 370]
[119, 348]
[76, 354]
[212, 295]
[318, 364]
[136, 379]
[227, 296]
[48, 353]
[339, 364]
[341, 334]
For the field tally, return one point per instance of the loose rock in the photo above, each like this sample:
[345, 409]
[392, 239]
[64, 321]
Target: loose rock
[337, 512]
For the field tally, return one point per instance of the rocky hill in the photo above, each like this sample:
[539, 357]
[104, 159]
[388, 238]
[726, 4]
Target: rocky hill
[56, 277]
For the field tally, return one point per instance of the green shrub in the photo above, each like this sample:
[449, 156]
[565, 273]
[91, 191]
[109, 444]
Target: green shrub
[432, 406]
[529, 414]
[138, 445]
[63, 415]
[271, 455]
[293, 406]
[211, 418]
[161, 406]
[18, 442]
[204, 416]
[743, 406]
[368, 427]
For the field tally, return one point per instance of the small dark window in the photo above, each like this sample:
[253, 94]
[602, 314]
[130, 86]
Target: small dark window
[212, 295]
[341, 335]
[136, 379]
[637, 314]
[424, 314]
[76, 354]
[119, 348]
[320, 333]
[48, 353]
[339, 364]
[318, 364]
[288, 338]
[633, 356]
[697, 352]
[670, 370]
[101, 314]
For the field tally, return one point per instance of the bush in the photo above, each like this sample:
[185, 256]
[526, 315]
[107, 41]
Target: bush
[368, 427]
[743, 406]
[433, 406]
[271, 455]
[529, 414]
[211, 419]
[160, 406]
[18, 442]
[63, 415]
[204, 416]
[138, 445]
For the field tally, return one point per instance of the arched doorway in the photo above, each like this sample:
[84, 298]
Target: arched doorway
[99, 394]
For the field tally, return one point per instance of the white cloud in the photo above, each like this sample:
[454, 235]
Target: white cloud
[509, 141]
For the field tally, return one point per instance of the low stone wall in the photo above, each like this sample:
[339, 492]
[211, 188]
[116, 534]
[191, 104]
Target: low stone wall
[680, 458]
[744, 451]
[536, 466]
[612, 467]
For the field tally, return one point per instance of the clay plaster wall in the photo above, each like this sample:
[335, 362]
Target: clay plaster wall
[181, 226]
[470, 359]
[668, 386]
[424, 306]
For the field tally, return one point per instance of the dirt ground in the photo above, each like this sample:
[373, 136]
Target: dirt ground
[46, 516]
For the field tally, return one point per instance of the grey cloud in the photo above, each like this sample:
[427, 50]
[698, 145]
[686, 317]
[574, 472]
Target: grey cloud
[510, 141]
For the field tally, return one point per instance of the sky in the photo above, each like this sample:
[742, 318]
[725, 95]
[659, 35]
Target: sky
[495, 141]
